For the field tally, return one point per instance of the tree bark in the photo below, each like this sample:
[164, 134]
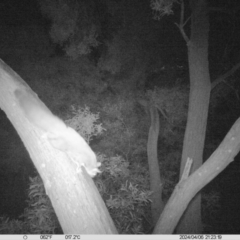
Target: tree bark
[157, 204]
[200, 87]
[75, 199]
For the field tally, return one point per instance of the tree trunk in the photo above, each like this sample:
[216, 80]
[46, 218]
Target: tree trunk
[154, 172]
[187, 188]
[200, 87]
[75, 199]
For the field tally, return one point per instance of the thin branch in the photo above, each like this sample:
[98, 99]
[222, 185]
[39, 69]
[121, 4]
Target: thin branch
[222, 10]
[225, 75]
[182, 13]
[186, 21]
[182, 23]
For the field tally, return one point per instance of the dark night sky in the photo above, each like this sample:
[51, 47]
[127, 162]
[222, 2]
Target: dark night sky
[14, 12]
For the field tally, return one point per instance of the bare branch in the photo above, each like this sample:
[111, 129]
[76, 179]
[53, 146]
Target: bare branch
[225, 75]
[223, 10]
[182, 23]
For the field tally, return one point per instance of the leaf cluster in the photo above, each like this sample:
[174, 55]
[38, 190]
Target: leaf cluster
[125, 194]
[39, 215]
[85, 122]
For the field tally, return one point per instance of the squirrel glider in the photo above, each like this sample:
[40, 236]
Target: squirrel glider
[59, 135]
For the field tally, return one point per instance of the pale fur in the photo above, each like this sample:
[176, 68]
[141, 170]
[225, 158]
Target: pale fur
[59, 135]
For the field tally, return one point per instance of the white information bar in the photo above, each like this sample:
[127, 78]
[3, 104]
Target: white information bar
[120, 237]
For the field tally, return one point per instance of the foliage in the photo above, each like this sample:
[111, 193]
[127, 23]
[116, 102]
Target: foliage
[85, 123]
[125, 194]
[169, 166]
[211, 202]
[171, 102]
[162, 7]
[73, 25]
[128, 208]
[12, 226]
[123, 136]
[39, 215]
[38, 218]
[115, 166]
[127, 65]
[62, 82]
[112, 61]
[210, 208]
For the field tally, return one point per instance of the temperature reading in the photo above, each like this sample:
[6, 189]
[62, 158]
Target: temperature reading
[74, 237]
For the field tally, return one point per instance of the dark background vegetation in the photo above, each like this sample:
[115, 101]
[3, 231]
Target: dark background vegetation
[134, 54]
